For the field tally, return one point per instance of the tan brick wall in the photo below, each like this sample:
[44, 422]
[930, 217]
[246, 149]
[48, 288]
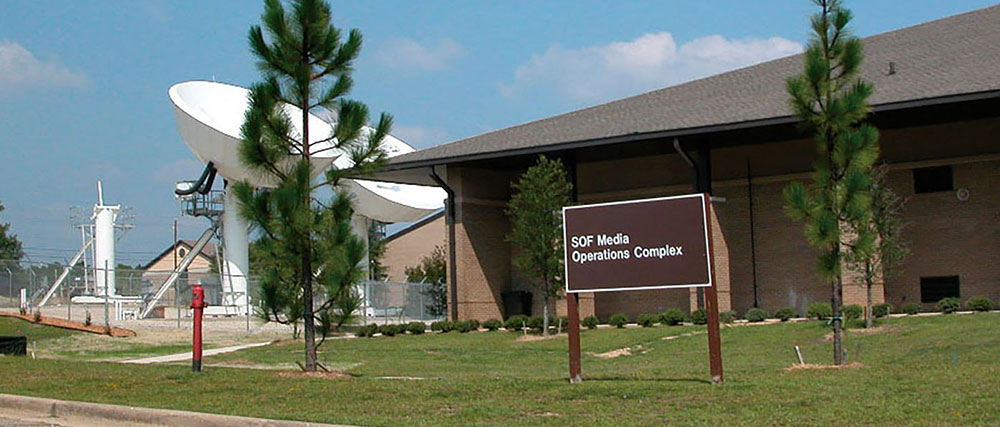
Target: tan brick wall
[407, 250]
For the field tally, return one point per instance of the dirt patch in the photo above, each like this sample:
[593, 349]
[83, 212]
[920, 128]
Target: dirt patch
[810, 367]
[689, 334]
[613, 353]
[884, 329]
[531, 338]
[543, 414]
[76, 326]
[332, 375]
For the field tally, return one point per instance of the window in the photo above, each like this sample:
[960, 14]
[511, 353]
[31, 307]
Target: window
[929, 180]
[933, 289]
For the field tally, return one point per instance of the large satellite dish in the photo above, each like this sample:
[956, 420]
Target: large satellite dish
[209, 116]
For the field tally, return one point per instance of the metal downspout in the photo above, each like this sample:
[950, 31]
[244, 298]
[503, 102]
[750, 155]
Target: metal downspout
[449, 215]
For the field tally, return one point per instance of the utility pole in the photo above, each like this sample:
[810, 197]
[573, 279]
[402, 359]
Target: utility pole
[107, 318]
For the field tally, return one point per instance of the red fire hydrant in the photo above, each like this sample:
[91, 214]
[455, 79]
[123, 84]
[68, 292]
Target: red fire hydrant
[198, 304]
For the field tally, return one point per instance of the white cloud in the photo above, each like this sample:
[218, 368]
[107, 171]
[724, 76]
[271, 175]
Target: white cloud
[20, 68]
[652, 61]
[420, 137]
[410, 54]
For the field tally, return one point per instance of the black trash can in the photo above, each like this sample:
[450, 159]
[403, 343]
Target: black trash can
[515, 303]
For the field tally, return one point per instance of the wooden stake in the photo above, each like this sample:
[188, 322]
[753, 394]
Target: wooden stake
[712, 303]
[573, 311]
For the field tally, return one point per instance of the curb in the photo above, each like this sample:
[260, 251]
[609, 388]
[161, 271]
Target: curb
[130, 414]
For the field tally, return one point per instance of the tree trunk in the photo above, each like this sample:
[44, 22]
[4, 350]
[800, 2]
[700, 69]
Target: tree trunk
[869, 314]
[308, 325]
[838, 333]
[545, 316]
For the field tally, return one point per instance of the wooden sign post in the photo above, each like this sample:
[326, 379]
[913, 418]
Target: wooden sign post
[660, 243]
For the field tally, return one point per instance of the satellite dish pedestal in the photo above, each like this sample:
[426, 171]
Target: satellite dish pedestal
[236, 254]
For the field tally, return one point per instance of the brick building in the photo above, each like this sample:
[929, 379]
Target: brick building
[936, 103]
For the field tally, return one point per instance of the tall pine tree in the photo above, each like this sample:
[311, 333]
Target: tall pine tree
[314, 259]
[831, 102]
[536, 228]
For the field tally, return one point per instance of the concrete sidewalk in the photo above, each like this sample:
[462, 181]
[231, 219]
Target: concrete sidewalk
[23, 410]
[180, 357]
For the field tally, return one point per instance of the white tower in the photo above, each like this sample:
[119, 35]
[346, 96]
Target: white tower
[104, 244]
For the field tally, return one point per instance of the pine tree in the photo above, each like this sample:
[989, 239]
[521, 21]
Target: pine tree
[831, 102]
[535, 216]
[10, 248]
[313, 258]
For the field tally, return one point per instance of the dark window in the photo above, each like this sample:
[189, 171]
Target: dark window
[933, 289]
[929, 180]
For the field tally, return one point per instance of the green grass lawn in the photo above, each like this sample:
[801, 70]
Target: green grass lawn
[926, 370]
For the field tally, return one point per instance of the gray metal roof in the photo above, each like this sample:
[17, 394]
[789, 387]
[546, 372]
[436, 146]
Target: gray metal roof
[957, 55]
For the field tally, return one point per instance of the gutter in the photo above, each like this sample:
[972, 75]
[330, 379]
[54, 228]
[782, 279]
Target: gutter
[449, 215]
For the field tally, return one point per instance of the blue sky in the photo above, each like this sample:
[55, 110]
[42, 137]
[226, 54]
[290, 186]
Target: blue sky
[83, 84]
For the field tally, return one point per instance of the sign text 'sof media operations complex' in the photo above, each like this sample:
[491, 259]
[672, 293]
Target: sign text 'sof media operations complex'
[640, 244]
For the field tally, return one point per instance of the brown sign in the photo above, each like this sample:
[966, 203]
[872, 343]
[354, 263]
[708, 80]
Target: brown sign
[636, 245]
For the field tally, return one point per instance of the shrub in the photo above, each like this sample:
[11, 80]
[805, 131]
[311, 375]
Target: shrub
[416, 328]
[757, 315]
[699, 317]
[562, 323]
[86, 319]
[443, 326]
[474, 324]
[515, 323]
[390, 330]
[672, 317]
[881, 310]
[467, 326]
[911, 308]
[949, 305]
[618, 320]
[979, 304]
[536, 322]
[784, 314]
[853, 311]
[37, 316]
[646, 320]
[492, 324]
[368, 330]
[591, 322]
[819, 310]
[728, 316]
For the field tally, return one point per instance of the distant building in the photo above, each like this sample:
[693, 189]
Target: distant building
[936, 103]
[200, 270]
[406, 247]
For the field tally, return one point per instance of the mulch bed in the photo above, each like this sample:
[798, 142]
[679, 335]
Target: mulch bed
[69, 324]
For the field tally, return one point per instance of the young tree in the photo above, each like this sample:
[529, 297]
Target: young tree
[10, 248]
[376, 250]
[314, 259]
[431, 270]
[830, 100]
[536, 228]
[886, 224]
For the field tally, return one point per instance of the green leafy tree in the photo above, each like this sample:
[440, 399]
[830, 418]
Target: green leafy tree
[314, 259]
[831, 102]
[376, 250]
[536, 228]
[890, 249]
[431, 270]
[10, 248]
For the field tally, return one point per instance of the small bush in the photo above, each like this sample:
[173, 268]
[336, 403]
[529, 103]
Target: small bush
[37, 316]
[911, 308]
[492, 324]
[853, 311]
[536, 322]
[467, 326]
[443, 326]
[591, 322]
[979, 304]
[474, 324]
[757, 315]
[784, 314]
[515, 323]
[699, 317]
[416, 328]
[390, 330]
[618, 320]
[368, 330]
[949, 305]
[672, 317]
[562, 323]
[728, 317]
[646, 320]
[819, 311]
[86, 319]
[881, 310]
